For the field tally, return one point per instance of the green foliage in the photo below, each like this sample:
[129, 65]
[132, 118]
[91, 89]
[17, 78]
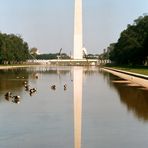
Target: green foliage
[46, 56]
[52, 56]
[34, 51]
[12, 49]
[136, 69]
[132, 46]
[91, 56]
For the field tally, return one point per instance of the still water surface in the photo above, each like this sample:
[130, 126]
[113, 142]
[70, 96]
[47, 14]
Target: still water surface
[94, 111]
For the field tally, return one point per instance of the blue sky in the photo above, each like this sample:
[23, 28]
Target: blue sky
[48, 24]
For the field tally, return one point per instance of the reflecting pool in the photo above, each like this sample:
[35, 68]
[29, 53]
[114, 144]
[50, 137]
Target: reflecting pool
[86, 108]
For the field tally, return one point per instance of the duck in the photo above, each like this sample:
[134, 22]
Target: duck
[53, 87]
[33, 90]
[8, 95]
[16, 99]
[26, 87]
[65, 86]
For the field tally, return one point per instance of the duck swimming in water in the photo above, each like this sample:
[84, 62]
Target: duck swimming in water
[8, 95]
[26, 87]
[16, 99]
[53, 87]
[32, 90]
[65, 87]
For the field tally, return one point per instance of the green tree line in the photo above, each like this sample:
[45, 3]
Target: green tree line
[132, 46]
[52, 56]
[12, 49]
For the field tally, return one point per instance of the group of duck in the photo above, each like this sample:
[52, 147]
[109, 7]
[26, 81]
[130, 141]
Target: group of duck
[30, 90]
[13, 98]
[16, 98]
[53, 87]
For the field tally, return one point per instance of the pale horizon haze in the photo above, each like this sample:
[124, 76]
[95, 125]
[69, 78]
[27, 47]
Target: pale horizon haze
[48, 24]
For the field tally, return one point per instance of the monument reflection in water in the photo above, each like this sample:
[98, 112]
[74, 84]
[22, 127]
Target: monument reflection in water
[78, 82]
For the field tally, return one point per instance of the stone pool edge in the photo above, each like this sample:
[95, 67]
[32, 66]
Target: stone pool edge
[17, 66]
[139, 79]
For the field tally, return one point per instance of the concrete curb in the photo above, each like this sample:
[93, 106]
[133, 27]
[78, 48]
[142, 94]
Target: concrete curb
[129, 73]
[141, 80]
[18, 66]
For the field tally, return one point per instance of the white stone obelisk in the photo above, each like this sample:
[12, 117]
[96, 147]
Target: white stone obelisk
[78, 37]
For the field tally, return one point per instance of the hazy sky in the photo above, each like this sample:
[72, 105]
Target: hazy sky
[48, 24]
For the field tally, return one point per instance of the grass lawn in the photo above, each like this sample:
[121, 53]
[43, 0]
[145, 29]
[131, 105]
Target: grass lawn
[141, 70]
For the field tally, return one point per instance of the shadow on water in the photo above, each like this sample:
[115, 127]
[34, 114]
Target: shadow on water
[135, 98]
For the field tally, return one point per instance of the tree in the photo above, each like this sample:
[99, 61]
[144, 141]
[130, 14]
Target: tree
[131, 47]
[12, 49]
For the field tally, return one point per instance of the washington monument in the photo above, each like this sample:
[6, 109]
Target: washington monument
[78, 37]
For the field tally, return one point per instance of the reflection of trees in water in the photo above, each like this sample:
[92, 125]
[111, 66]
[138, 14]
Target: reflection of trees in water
[90, 72]
[134, 98]
[61, 70]
[49, 70]
[108, 77]
[12, 79]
